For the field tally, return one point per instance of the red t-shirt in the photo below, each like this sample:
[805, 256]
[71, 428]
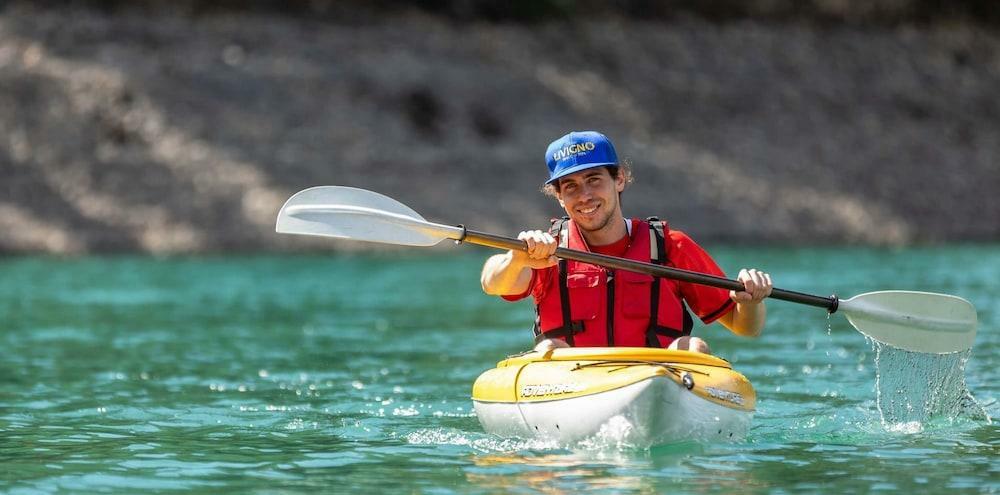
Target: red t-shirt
[708, 303]
[617, 248]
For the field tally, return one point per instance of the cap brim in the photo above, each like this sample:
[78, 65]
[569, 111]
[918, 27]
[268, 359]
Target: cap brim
[577, 168]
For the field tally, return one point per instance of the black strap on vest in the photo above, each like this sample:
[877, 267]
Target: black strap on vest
[657, 229]
[569, 327]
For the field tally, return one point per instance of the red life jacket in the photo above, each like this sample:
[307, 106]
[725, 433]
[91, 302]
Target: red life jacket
[598, 306]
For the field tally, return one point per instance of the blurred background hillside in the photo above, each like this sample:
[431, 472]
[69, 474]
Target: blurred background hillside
[182, 126]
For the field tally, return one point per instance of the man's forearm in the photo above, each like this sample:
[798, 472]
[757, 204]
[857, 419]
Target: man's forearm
[502, 276]
[746, 319]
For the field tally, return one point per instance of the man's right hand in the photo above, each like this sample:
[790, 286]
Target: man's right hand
[541, 248]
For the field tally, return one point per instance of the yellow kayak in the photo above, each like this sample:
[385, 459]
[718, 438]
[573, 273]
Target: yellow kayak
[637, 395]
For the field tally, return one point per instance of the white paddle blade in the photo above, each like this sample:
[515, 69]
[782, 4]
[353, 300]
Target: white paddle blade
[914, 321]
[358, 214]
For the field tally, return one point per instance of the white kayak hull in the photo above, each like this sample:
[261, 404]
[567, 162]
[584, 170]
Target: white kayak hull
[652, 412]
[637, 403]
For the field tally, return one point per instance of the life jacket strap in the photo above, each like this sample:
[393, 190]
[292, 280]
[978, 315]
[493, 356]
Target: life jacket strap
[659, 254]
[561, 332]
[656, 255]
[672, 333]
[569, 327]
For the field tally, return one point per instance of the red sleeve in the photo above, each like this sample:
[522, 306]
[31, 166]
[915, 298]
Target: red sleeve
[709, 303]
[540, 279]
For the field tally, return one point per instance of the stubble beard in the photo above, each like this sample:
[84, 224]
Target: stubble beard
[603, 222]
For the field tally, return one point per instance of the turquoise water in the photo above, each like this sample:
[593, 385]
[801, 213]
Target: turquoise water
[347, 373]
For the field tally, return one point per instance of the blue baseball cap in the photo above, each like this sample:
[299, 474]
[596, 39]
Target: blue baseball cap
[579, 150]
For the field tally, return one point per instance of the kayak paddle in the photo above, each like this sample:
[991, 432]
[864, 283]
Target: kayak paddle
[913, 321]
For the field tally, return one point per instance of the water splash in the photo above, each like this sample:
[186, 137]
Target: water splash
[913, 387]
[478, 442]
[615, 434]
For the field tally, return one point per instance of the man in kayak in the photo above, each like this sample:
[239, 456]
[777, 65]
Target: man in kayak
[580, 304]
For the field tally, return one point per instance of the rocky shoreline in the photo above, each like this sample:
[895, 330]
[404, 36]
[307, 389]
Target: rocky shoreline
[125, 132]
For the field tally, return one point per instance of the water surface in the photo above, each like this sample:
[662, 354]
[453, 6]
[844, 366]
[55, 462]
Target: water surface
[347, 373]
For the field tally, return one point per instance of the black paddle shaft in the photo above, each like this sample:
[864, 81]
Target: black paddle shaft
[483, 239]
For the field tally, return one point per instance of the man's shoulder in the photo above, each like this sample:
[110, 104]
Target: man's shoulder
[671, 234]
[679, 236]
[682, 247]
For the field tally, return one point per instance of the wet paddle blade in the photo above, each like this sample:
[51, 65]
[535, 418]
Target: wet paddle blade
[914, 321]
[360, 215]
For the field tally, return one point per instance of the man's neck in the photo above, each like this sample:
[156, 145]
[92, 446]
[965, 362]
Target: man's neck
[613, 232]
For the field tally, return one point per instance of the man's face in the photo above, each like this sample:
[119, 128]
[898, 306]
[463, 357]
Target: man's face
[590, 197]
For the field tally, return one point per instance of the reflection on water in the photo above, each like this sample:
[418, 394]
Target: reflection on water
[698, 468]
[552, 472]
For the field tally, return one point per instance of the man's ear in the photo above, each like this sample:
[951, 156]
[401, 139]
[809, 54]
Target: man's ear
[620, 182]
